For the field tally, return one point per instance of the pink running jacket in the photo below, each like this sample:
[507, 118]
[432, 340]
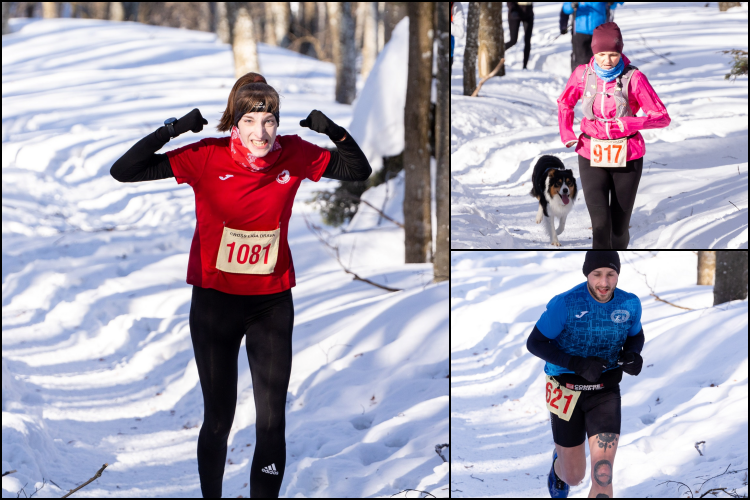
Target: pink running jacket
[641, 95]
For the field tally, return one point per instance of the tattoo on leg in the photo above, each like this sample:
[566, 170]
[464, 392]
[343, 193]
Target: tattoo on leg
[602, 495]
[603, 473]
[606, 439]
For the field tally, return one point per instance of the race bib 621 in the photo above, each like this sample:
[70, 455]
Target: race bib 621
[248, 252]
[560, 400]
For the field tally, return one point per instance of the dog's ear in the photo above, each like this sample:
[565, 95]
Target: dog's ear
[551, 172]
[568, 170]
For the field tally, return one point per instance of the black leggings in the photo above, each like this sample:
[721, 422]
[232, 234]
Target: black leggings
[218, 321]
[514, 20]
[610, 221]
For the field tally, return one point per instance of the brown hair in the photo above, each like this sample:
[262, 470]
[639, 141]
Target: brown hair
[250, 93]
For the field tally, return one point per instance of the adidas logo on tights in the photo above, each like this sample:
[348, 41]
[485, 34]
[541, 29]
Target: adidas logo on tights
[271, 469]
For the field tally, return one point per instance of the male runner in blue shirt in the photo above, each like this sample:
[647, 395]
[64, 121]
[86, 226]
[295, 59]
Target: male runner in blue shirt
[588, 336]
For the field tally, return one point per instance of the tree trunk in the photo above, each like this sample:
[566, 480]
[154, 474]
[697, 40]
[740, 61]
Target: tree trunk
[706, 267]
[491, 44]
[381, 26]
[442, 139]
[243, 39]
[344, 56]
[116, 11]
[6, 16]
[99, 10]
[394, 12]
[417, 213]
[369, 37]
[724, 6]
[278, 18]
[470, 52]
[323, 32]
[49, 10]
[731, 276]
[222, 22]
[359, 23]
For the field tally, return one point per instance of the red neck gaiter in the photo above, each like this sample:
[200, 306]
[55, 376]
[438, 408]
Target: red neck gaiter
[243, 157]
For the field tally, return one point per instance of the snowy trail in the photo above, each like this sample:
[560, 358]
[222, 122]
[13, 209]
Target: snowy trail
[98, 363]
[693, 386]
[693, 191]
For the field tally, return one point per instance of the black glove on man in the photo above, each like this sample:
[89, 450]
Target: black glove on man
[630, 362]
[589, 368]
[320, 123]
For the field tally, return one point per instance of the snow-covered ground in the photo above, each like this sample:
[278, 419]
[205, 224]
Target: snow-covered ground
[97, 360]
[693, 386]
[693, 191]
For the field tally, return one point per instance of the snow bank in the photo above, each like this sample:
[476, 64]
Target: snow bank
[378, 112]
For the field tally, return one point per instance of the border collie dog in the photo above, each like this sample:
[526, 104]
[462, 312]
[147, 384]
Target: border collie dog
[555, 188]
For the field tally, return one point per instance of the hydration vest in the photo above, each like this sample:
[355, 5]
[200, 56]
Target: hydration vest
[622, 82]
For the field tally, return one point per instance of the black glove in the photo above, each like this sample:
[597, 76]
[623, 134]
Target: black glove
[631, 362]
[320, 123]
[191, 121]
[589, 368]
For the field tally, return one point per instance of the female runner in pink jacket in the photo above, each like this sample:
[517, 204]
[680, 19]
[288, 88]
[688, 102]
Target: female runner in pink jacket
[610, 149]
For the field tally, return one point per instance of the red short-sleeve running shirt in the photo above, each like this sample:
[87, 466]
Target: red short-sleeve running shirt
[227, 194]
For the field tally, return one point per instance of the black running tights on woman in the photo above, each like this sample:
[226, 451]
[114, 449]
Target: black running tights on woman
[524, 15]
[218, 321]
[610, 219]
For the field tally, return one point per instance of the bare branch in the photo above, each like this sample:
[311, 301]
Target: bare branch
[96, 476]
[439, 449]
[667, 302]
[493, 73]
[699, 451]
[9, 472]
[420, 491]
[316, 231]
[354, 197]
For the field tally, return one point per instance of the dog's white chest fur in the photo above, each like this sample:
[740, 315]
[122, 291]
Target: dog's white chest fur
[555, 208]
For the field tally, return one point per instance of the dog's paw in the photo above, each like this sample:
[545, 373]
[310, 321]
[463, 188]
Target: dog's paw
[556, 243]
[538, 219]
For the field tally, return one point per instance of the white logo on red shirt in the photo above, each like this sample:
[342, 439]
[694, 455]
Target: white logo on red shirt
[225, 177]
[283, 177]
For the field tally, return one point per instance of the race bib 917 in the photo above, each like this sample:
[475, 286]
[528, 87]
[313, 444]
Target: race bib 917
[248, 252]
[609, 153]
[560, 400]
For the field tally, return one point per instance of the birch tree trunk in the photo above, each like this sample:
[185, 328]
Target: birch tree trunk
[49, 10]
[243, 39]
[341, 25]
[491, 44]
[442, 139]
[369, 37]
[706, 267]
[6, 16]
[222, 22]
[417, 213]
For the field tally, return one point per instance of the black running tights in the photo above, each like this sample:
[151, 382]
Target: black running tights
[218, 321]
[514, 21]
[610, 220]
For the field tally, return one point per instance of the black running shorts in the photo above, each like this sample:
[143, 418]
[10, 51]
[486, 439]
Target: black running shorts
[596, 411]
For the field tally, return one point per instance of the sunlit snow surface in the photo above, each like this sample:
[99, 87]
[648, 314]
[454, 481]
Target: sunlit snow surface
[693, 386]
[97, 360]
[692, 169]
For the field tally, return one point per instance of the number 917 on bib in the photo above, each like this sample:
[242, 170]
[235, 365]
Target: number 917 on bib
[248, 252]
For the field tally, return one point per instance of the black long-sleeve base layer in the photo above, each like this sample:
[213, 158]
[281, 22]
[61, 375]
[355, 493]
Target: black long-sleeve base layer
[141, 163]
[547, 349]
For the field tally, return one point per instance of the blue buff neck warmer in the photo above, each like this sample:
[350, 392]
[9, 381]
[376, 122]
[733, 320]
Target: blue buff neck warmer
[609, 74]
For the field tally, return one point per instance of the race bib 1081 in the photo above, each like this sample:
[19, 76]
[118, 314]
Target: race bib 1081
[560, 400]
[248, 252]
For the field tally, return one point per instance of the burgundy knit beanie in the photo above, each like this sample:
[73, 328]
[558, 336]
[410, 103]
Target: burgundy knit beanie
[607, 38]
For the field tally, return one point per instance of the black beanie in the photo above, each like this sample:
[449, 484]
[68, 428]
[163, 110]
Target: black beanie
[598, 258]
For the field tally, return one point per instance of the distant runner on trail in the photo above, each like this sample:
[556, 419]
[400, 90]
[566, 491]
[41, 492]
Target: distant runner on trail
[588, 336]
[240, 262]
